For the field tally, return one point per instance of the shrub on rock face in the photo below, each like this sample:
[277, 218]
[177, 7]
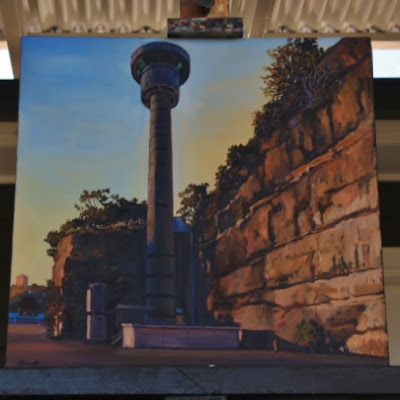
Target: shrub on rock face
[268, 119]
[314, 337]
[296, 68]
[311, 335]
[296, 80]
[193, 203]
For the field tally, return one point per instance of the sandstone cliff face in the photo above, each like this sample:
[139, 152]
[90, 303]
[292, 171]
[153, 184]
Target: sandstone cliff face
[299, 243]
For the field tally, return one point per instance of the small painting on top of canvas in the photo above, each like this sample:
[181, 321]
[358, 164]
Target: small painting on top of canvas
[196, 202]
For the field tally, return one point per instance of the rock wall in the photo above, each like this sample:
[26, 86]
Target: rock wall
[298, 247]
[91, 250]
[117, 258]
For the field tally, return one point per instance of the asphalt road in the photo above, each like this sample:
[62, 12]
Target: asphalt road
[28, 346]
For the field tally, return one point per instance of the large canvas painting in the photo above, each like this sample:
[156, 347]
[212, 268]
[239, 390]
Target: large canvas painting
[196, 202]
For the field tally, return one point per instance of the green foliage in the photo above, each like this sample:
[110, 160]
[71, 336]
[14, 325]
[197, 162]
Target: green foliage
[312, 335]
[295, 79]
[99, 209]
[193, 202]
[235, 155]
[224, 177]
[240, 160]
[268, 118]
[295, 67]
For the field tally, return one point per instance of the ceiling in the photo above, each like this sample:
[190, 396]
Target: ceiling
[260, 16]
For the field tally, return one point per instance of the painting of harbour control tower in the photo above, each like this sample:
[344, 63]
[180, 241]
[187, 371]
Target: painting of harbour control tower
[196, 202]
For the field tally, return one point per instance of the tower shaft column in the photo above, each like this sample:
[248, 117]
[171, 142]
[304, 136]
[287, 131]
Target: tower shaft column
[160, 291]
[160, 68]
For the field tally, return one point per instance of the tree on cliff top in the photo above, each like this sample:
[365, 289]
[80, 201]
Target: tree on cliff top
[295, 80]
[296, 66]
[99, 209]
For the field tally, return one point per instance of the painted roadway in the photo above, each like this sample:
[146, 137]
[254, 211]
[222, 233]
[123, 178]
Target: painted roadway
[28, 346]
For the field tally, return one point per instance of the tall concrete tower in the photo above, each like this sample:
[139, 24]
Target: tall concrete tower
[160, 68]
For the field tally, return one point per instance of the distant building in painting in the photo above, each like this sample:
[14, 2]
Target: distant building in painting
[21, 281]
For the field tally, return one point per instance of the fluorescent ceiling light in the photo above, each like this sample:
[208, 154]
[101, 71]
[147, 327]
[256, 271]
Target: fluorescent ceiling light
[6, 71]
[386, 63]
[386, 59]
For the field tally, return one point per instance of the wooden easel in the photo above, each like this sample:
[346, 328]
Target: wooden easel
[205, 19]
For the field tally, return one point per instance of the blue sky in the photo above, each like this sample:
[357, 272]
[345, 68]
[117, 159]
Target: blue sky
[82, 126]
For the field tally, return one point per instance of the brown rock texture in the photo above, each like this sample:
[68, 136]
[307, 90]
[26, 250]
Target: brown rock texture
[93, 249]
[303, 249]
[115, 257]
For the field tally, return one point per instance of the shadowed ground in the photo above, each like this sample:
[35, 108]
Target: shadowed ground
[28, 346]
